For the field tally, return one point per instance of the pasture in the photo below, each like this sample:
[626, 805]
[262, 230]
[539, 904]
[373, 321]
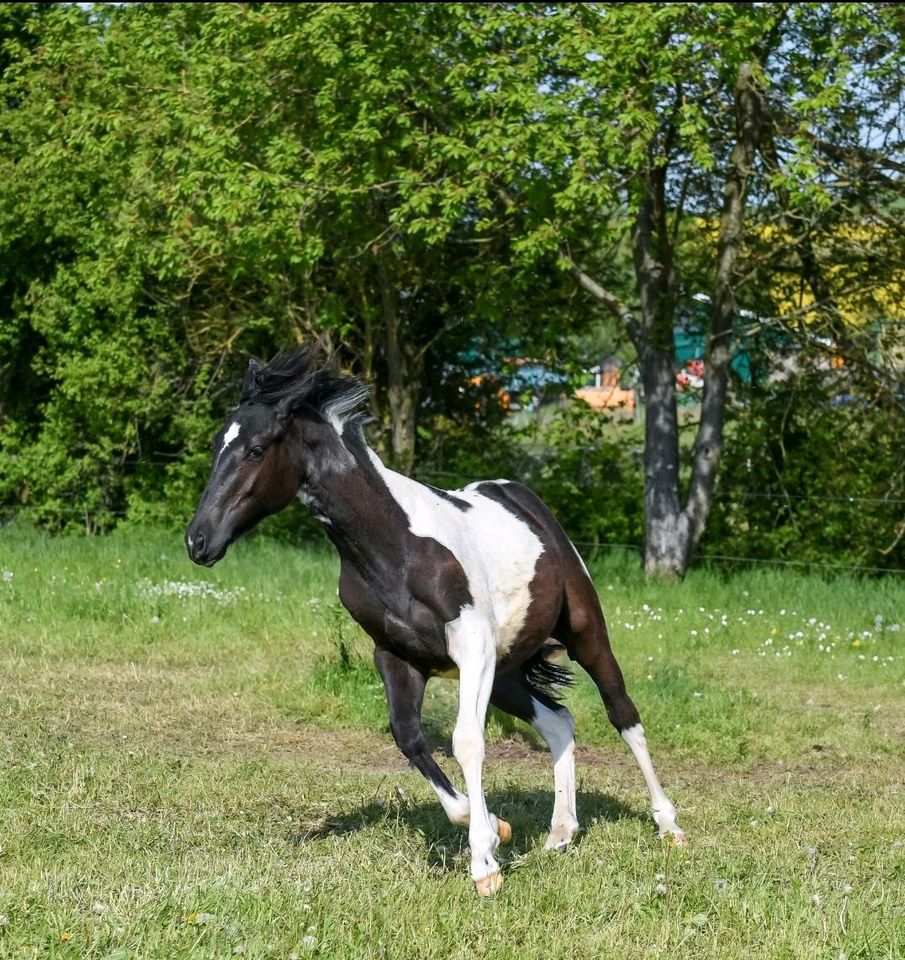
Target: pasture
[197, 764]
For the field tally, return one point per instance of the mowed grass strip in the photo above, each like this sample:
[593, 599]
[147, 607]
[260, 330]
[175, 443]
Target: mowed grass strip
[197, 764]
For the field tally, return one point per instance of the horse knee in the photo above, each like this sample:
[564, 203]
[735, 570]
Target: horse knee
[468, 745]
[408, 737]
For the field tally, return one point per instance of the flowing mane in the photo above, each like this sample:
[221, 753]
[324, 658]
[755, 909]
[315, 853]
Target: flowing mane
[307, 377]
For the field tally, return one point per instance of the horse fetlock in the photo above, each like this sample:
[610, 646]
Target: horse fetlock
[665, 818]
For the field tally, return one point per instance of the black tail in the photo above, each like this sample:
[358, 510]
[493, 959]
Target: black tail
[546, 676]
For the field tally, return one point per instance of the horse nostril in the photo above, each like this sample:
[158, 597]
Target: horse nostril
[195, 544]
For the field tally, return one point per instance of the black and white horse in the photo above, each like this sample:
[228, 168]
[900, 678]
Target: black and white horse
[466, 583]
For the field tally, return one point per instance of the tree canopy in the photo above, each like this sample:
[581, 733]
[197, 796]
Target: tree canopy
[182, 186]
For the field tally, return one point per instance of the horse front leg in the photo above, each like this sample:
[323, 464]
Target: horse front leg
[471, 647]
[404, 685]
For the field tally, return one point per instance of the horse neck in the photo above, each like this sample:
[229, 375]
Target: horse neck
[351, 497]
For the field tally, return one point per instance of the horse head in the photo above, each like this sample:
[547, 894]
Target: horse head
[284, 434]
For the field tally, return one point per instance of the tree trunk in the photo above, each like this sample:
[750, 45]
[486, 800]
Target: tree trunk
[709, 441]
[665, 536]
[665, 527]
[402, 384]
[670, 531]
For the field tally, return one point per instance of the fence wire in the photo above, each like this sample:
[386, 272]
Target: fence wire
[84, 512]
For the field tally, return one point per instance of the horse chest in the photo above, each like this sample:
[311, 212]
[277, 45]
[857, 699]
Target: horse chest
[396, 619]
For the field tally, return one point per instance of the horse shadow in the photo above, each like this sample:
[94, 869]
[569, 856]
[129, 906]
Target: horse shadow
[527, 810]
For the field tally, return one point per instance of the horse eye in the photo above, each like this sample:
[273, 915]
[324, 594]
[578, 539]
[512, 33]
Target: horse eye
[255, 454]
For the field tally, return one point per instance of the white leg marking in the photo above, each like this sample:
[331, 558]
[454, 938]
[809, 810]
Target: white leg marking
[457, 811]
[456, 808]
[471, 646]
[664, 812]
[557, 727]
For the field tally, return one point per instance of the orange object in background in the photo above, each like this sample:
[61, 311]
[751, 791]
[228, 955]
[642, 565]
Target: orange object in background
[607, 394]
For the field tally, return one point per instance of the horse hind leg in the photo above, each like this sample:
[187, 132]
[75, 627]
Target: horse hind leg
[587, 642]
[514, 694]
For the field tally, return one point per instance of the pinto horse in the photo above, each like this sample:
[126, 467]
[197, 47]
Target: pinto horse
[466, 583]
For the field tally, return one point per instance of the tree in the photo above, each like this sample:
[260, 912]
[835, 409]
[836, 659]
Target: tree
[684, 130]
[210, 182]
[182, 185]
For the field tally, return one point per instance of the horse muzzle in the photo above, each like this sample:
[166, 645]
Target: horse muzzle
[204, 549]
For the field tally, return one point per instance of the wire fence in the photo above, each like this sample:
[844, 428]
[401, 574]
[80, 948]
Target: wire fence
[79, 512]
[727, 558]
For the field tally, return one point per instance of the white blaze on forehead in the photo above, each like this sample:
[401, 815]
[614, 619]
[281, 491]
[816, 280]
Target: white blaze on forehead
[230, 435]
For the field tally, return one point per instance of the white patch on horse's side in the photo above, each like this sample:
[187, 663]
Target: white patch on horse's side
[497, 550]
[557, 727]
[664, 812]
[231, 433]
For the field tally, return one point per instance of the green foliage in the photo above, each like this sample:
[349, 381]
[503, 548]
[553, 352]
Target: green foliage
[184, 185]
[587, 469]
[816, 473]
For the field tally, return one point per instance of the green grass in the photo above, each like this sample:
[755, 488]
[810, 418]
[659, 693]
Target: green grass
[197, 764]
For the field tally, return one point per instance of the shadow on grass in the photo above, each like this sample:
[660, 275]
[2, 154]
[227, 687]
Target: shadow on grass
[528, 811]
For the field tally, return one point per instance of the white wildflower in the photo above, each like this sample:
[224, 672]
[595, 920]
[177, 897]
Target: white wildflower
[191, 590]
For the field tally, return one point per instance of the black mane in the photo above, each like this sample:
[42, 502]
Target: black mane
[306, 377]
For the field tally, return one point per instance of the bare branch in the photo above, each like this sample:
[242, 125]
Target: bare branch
[617, 307]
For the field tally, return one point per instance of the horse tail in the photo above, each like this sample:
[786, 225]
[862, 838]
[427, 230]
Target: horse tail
[546, 676]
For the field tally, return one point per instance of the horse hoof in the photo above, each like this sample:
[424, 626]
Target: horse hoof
[558, 846]
[560, 840]
[489, 885]
[678, 839]
[504, 831]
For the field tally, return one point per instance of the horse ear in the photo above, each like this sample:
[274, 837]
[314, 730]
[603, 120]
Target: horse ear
[249, 383]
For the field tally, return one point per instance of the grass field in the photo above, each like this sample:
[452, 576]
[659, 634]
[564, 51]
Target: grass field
[197, 764]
